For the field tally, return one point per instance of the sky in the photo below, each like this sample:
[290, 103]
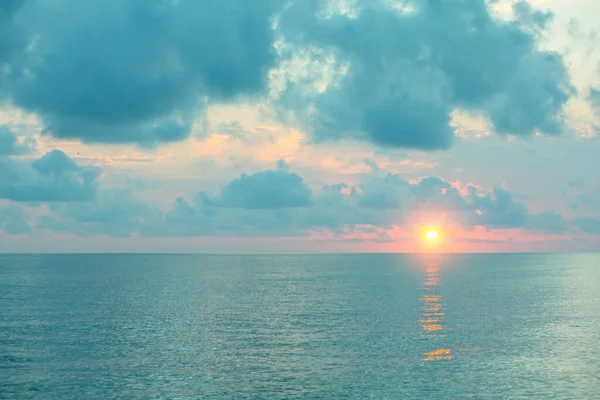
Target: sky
[230, 126]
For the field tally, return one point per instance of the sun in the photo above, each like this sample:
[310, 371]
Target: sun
[432, 234]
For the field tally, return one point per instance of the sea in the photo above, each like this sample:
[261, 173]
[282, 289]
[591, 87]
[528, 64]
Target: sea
[362, 326]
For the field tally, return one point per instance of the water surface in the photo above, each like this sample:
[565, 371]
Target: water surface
[323, 326]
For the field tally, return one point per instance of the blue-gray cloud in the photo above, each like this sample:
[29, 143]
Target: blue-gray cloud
[382, 193]
[52, 177]
[115, 212]
[145, 76]
[132, 71]
[14, 220]
[10, 146]
[500, 209]
[594, 98]
[409, 71]
[10, 38]
[588, 224]
[270, 189]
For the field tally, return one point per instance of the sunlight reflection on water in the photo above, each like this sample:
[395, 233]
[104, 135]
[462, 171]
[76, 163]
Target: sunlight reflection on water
[432, 314]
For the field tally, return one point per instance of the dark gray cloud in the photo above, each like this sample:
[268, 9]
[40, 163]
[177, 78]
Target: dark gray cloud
[132, 71]
[10, 145]
[409, 71]
[52, 177]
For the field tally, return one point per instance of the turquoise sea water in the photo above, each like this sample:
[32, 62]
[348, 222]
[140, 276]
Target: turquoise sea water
[322, 326]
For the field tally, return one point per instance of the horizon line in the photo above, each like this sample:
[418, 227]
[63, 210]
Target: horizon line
[290, 253]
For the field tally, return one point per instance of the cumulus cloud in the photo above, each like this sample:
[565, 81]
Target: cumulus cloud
[128, 71]
[270, 189]
[118, 71]
[408, 70]
[10, 145]
[52, 177]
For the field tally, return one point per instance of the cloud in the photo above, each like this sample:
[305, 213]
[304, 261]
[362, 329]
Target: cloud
[148, 74]
[382, 193]
[276, 203]
[121, 71]
[115, 212]
[383, 202]
[499, 209]
[408, 71]
[10, 145]
[394, 192]
[14, 220]
[52, 177]
[588, 225]
[429, 187]
[196, 218]
[263, 190]
[594, 98]
[531, 18]
[10, 40]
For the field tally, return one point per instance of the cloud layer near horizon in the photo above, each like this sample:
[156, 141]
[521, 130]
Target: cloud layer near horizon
[269, 203]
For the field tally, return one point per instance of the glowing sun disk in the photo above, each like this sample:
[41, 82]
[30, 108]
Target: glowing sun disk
[431, 235]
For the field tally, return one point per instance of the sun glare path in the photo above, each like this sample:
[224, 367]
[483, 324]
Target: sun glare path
[432, 315]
